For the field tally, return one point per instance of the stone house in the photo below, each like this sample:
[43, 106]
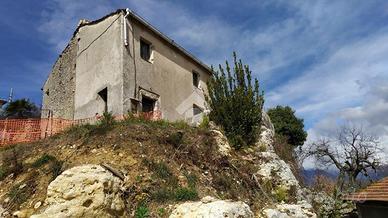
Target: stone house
[121, 63]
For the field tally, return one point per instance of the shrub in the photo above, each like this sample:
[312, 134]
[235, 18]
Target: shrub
[107, 120]
[236, 104]
[288, 125]
[161, 212]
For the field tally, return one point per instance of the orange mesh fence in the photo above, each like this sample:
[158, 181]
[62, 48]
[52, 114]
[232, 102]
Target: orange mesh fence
[28, 130]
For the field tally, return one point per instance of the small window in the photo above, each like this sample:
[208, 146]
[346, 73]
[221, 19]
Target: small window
[145, 50]
[196, 110]
[195, 79]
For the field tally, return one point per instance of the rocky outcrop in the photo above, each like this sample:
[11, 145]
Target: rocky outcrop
[272, 169]
[210, 207]
[267, 133]
[220, 139]
[84, 191]
[290, 211]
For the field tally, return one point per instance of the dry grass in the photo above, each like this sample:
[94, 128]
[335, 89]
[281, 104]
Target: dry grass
[179, 161]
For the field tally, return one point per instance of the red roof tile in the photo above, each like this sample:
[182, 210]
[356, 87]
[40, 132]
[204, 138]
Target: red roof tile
[377, 191]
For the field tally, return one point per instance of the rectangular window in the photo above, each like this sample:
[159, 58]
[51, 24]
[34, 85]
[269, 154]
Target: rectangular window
[145, 50]
[195, 79]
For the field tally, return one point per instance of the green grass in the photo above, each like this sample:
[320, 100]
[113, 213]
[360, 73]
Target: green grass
[56, 168]
[44, 159]
[3, 173]
[186, 194]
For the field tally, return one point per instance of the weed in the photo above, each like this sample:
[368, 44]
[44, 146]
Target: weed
[20, 192]
[262, 148]
[107, 119]
[142, 211]
[160, 169]
[191, 180]
[162, 195]
[11, 162]
[175, 139]
[80, 131]
[281, 194]
[44, 159]
[204, 123]
[56, 168]
[180, 124]
[3, 173]
[186, 194]
[161, 212]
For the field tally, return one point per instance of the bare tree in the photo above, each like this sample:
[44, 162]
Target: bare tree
[353, 152]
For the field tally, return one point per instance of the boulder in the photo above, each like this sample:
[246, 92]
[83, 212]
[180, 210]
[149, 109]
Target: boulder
[290, 211]
[210, 207]
[84, 191]
[271, 167]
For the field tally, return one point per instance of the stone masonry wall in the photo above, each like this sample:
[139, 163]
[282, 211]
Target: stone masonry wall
[59, 88]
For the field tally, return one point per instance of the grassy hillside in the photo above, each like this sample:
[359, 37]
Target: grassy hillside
[165, 162]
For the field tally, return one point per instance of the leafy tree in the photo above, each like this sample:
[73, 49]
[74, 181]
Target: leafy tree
[288, 125]
[21, 108]
[236, 104]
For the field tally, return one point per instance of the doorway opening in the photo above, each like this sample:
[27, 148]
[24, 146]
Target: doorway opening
[148, 104]
[104, 96]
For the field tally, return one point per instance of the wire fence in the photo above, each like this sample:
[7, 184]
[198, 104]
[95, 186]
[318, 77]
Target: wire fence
[14, 131]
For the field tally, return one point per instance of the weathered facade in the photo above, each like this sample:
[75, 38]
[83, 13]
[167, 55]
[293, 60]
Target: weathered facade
[122, 64]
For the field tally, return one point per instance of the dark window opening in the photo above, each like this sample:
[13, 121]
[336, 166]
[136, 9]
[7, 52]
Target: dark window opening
[196, 110]
[148, 104]
[195, 79]
[145, 50]
[104, 96]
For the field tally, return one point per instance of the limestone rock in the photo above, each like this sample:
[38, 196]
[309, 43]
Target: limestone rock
[210, 207]
[221, 140]
[274, 168]
[267, 133]
[290, 211]
[84, 191]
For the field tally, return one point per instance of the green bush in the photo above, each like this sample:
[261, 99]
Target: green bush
[288, 125]
[236, 104]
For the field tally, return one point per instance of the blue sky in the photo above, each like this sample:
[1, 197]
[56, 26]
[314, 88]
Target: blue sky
[326, 59]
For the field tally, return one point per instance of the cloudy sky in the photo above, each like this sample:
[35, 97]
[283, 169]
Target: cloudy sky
[326, 59]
